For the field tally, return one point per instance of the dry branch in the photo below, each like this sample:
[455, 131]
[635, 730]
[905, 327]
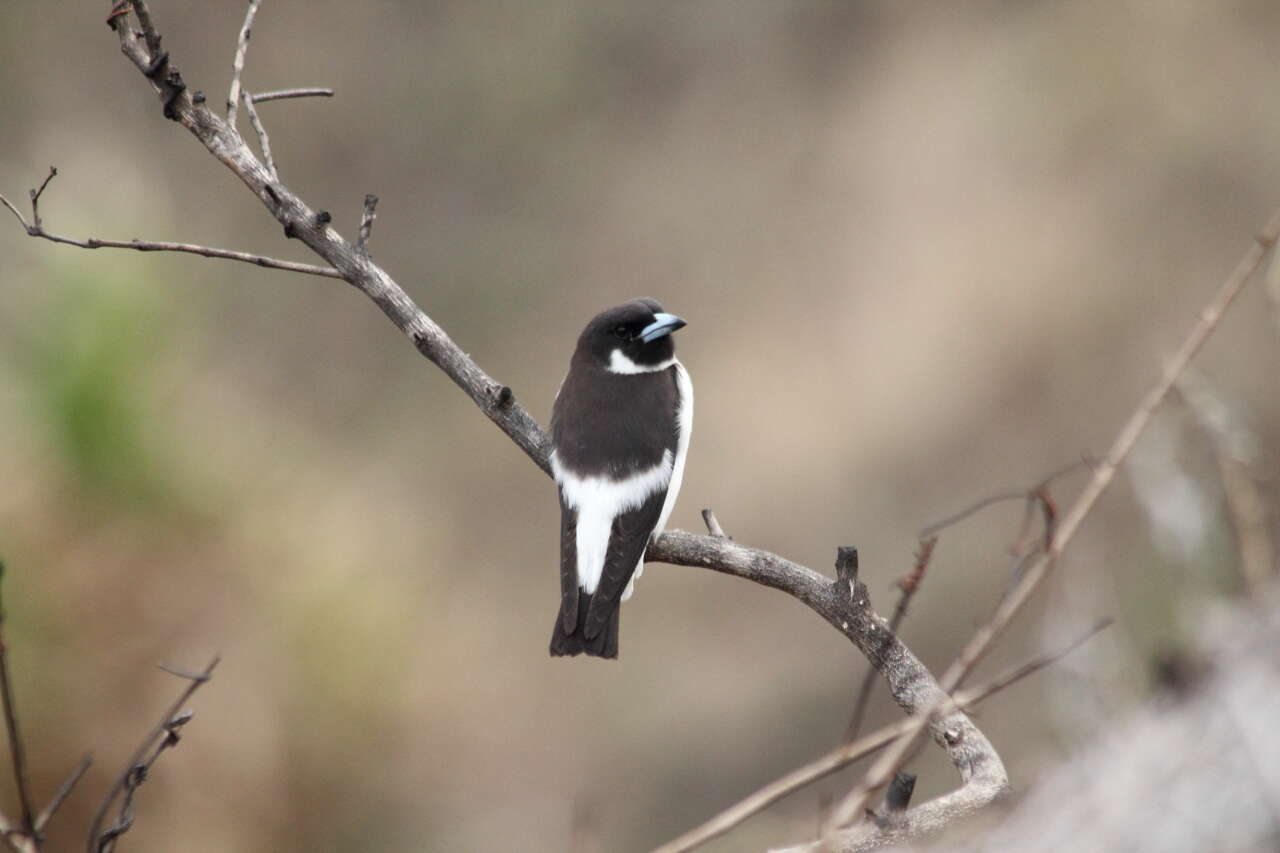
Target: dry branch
[853, 806]
[282, 94]
[35, 228]
[163, 735]
[26, 829]
[848, 753]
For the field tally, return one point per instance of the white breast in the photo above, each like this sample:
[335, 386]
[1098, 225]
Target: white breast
[599, 500]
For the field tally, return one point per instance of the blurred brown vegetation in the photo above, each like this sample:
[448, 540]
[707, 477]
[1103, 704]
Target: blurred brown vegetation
[925, 253]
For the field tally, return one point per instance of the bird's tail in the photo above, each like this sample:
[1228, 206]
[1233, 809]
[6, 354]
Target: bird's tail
[575, 642]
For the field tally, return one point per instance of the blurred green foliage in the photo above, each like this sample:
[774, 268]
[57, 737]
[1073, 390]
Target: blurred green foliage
[90, 382]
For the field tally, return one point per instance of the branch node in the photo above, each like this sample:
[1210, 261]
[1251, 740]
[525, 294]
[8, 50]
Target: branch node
[198, 97]
[952, 736]
[713, 524]
[324, 217]
[898, 795]
[120, 9]
[847, 565]
[366, 223]
[156, 69]
[504, 396]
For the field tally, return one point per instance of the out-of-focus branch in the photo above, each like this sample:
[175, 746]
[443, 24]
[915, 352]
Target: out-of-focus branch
[64, 791]
[847, 753]
[1232, 446]
[17, 750]
[853, 806]
[163, 735]
[26, 835]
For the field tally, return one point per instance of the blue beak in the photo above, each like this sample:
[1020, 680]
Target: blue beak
[663, 324]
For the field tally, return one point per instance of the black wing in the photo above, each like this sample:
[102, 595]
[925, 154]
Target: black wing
[627, 541]
[568, 567]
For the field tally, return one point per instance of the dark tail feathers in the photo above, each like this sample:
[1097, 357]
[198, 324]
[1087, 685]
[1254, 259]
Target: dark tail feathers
[603, 645]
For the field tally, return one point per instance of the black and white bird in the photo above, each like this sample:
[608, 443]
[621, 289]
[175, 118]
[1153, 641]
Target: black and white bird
[620, 431]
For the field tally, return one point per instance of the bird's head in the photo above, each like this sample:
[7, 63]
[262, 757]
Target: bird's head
[634, 337]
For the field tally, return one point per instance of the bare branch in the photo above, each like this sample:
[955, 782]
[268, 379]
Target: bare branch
[237, 64]
[846, 754]
[713, 525]
[909, 585]
[64, 791]
[263, 140]
[163, 735]
[1001, 497]
[852, 807]
[17, 750]
[281, 94]
[38, 230]
[35, 195]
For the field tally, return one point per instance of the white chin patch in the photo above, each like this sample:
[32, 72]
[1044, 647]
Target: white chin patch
[619, 363]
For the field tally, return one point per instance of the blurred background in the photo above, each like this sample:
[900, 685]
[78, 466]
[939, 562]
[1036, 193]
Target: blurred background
[926, 253]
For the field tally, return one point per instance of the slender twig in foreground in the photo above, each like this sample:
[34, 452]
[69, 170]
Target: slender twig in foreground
[855, 803]
[64, 791]
[281, 94]
[237, 64]
[162, 735]
[1000, 497]
[850, 752]
[17, 750]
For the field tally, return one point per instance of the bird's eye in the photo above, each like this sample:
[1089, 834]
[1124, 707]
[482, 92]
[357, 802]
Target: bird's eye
[620, 332]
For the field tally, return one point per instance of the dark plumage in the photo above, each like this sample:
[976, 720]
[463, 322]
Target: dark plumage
[620, 431]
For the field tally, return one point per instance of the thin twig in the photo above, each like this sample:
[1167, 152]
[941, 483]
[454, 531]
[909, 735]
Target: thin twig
[366, 223]
[263, 140]
[237, 64]
[713, 524]
[850, 752]
[165, 246]
[17, 750]
[191, 249]
[855, 803]
[35, 195]
[281, 94]
[149, 31]
[1000, 497]
[100, 841]
[910, 584]
[64, 791]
